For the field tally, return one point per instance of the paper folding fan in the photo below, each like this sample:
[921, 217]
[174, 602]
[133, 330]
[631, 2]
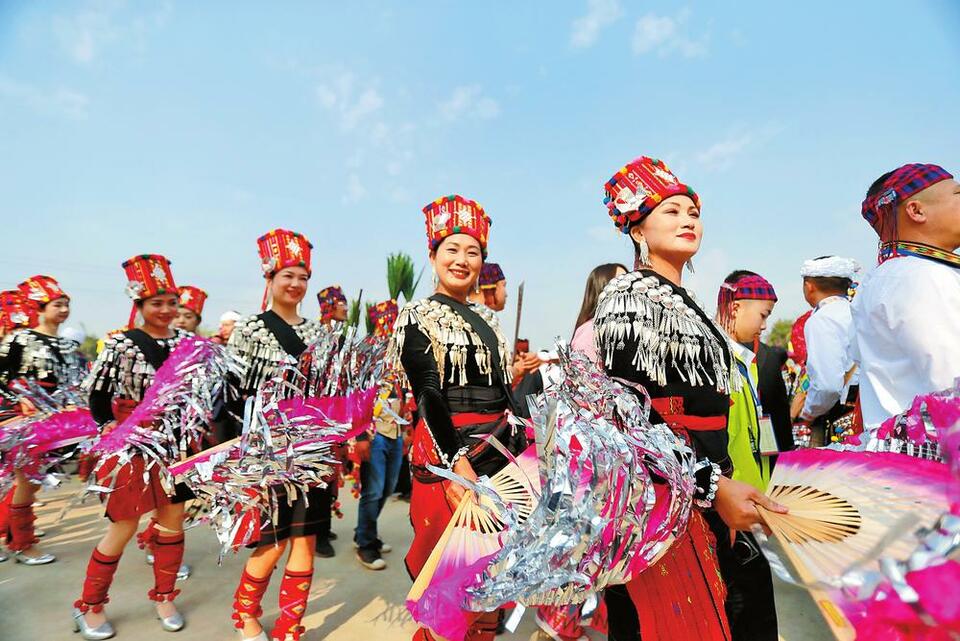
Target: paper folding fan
[472, 536]
[846, 508]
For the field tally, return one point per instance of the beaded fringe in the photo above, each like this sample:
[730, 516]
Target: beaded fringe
[639, 309]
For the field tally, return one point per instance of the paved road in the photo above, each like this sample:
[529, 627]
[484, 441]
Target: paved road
[347, 602]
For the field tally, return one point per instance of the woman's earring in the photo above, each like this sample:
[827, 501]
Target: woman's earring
[476, 285]
[690, 266]
[643, 253]
[436, 279]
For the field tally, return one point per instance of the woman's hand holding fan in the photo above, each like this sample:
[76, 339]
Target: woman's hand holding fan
[737, 503]
[454, 491]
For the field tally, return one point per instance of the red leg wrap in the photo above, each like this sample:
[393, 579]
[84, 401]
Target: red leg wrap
[247, 598]
[294, 591]
[96, 585]
[147, 538]
[5, 515]
[423, 634]
[167, 557]
[21, 527]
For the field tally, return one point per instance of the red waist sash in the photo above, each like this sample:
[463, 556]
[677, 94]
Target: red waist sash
[672, 410]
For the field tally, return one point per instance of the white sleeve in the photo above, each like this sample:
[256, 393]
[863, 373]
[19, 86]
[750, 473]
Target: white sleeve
[928, 328]
[826, 363]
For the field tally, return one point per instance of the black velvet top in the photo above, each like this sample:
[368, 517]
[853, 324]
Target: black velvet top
[453, 356]
[29, 354]
[124, 371]
[653, 333]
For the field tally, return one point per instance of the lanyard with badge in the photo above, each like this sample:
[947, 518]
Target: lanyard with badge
[768, 440]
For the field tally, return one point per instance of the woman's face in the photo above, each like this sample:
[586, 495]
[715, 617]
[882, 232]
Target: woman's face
[457, 261]
[187, 320]
[340, 311]
[672, 230]
[289, 285]
[159, 311]
[57, 311]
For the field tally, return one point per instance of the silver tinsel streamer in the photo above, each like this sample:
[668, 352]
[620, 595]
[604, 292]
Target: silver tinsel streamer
[180, 405]
[595, 523]
[286, 446]
[17, 434]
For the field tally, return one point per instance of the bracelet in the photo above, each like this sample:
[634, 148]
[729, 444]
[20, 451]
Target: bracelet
[456, 457]
[707, 484]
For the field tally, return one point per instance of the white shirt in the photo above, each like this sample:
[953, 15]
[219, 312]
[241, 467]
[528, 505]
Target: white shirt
[906, 317]
[827, 333]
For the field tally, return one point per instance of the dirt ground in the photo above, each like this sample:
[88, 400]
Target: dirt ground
[347, 602]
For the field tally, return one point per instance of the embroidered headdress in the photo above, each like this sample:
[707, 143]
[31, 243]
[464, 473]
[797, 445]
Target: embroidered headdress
[193, 299]
[638, 188]
[880, 208]
[455, 214]
[148, 275]
[40, 289]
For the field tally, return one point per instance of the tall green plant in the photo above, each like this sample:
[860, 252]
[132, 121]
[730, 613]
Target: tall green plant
[367, 318]
[353, 315]
[400, 278]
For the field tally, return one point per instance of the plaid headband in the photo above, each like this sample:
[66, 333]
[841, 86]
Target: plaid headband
[749, 287]
[880, 209]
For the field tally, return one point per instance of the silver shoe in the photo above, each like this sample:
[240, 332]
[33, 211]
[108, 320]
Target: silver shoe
[173, 623]
[37, 532]
[149, 559]
[103, 631]
[3, 556]
[183, 573]
[43, 559]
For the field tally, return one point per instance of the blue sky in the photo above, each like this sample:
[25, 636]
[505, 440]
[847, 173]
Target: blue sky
[189, 129]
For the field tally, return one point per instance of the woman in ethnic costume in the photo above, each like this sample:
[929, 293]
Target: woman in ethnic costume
[120, 378]
[39, 354]
[264, 342]
[455, 359]
[651, 330]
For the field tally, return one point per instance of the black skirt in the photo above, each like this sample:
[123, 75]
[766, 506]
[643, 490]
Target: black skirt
[304, 517]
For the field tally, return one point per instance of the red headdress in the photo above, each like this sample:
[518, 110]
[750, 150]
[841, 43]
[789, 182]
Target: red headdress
[747, 287]
[148, 275]
[383, 316]
[16, 311]
[638, 188]
[193, 299]
[328, 297]
[279, 249]
[880, 209]
[456, 215]
[40, 290]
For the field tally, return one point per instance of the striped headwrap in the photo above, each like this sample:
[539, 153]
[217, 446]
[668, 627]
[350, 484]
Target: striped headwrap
[880, 208]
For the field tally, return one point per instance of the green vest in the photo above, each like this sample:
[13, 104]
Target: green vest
[743, 428]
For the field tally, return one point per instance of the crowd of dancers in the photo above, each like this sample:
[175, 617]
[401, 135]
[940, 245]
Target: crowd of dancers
[454, 403]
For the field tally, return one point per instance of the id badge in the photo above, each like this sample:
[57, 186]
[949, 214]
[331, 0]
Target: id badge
[768, 440]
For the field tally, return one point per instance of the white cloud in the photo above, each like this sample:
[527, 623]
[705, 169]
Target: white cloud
[86, 34]
[59, 102]
[722, 154]
[468, 101]
[667, 35]
[355, 190]
[353, 100]
[600, 13]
